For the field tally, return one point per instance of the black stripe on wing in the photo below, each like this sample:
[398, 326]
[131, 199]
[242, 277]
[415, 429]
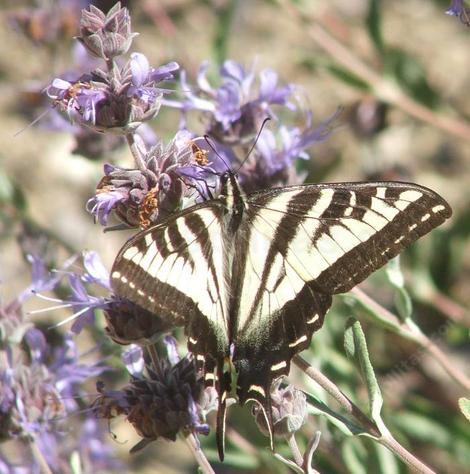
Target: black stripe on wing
[376, 221]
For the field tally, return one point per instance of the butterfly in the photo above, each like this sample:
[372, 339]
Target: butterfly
[252, 276]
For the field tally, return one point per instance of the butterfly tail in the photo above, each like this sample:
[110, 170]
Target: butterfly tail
[223, 389]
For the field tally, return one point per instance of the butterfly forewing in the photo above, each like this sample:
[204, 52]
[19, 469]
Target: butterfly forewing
[175, 270]
[252, 277]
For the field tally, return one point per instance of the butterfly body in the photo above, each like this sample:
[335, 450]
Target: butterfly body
[251, 277]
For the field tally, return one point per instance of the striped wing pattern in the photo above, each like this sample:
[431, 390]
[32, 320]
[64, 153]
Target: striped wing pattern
[251, 278]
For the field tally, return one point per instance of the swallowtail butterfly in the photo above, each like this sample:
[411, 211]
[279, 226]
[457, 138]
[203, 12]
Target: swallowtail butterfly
[253, 275]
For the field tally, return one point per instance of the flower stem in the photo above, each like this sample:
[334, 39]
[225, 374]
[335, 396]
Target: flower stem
[382, 436]
[393, 445]
[295, 449]
[338, 395]
[136, 151]
[417, 336]
[152, 352]
[39, 457]
[195, 448]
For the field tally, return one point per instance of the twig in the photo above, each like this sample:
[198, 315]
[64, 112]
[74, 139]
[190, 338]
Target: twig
[298, 458]
[393, 445]
[385, 89]
[417, 336]
[136, 151]
[193, 444]
[39, 457]
[338, 395]
[383, 436]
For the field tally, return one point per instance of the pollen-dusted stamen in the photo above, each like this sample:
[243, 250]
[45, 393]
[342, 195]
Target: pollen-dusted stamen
[200, 155]
[149, 208]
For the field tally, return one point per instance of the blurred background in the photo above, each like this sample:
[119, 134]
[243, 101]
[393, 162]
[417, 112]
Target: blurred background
[399, 70]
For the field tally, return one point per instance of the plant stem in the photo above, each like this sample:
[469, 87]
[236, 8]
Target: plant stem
[194, 447]
[152, 352]
[39, 457]
[295, 449]
[383, 88]
[338, 395]
[369, 426]
[136, 151]
[393, 445]
[417, 336]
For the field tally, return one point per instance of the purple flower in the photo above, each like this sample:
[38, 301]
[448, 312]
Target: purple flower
[119, 99]
[80, 99]
[160, 401]
[459, 9]
[237, 108]
[84, 304]
[41, 379]
[166, 175]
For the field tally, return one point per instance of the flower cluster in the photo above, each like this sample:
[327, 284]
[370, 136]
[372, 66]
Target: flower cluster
[41, 374]
[160, 400]
[119, 98]
[235, 113]
[156, 188]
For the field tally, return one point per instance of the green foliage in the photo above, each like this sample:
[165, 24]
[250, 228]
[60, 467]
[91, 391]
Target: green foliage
[464, 405]
[356, 348]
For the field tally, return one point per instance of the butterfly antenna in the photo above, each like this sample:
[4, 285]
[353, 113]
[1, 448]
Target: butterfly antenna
[35, 121]
[254, 143]
[212, 147]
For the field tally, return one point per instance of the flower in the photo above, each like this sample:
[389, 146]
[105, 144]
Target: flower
[120, 98]
[106, 35]
[41, 376]
[289, 411]
[458, 8]
[159, 402]
[235, 110]
[166, 177]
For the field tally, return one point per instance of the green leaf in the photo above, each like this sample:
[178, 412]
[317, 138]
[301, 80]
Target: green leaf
[343, 424]
[387, 461]
[464, 405]
[423, 428]
[356, 348]
[347, 77]
[402, 297]
[354, 456]
[374, 27]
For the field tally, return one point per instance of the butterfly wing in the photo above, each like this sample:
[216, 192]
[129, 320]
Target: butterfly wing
[176, 271]
[304, 244]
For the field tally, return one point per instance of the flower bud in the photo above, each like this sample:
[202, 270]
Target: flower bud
[106, 36]
[289, 411]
